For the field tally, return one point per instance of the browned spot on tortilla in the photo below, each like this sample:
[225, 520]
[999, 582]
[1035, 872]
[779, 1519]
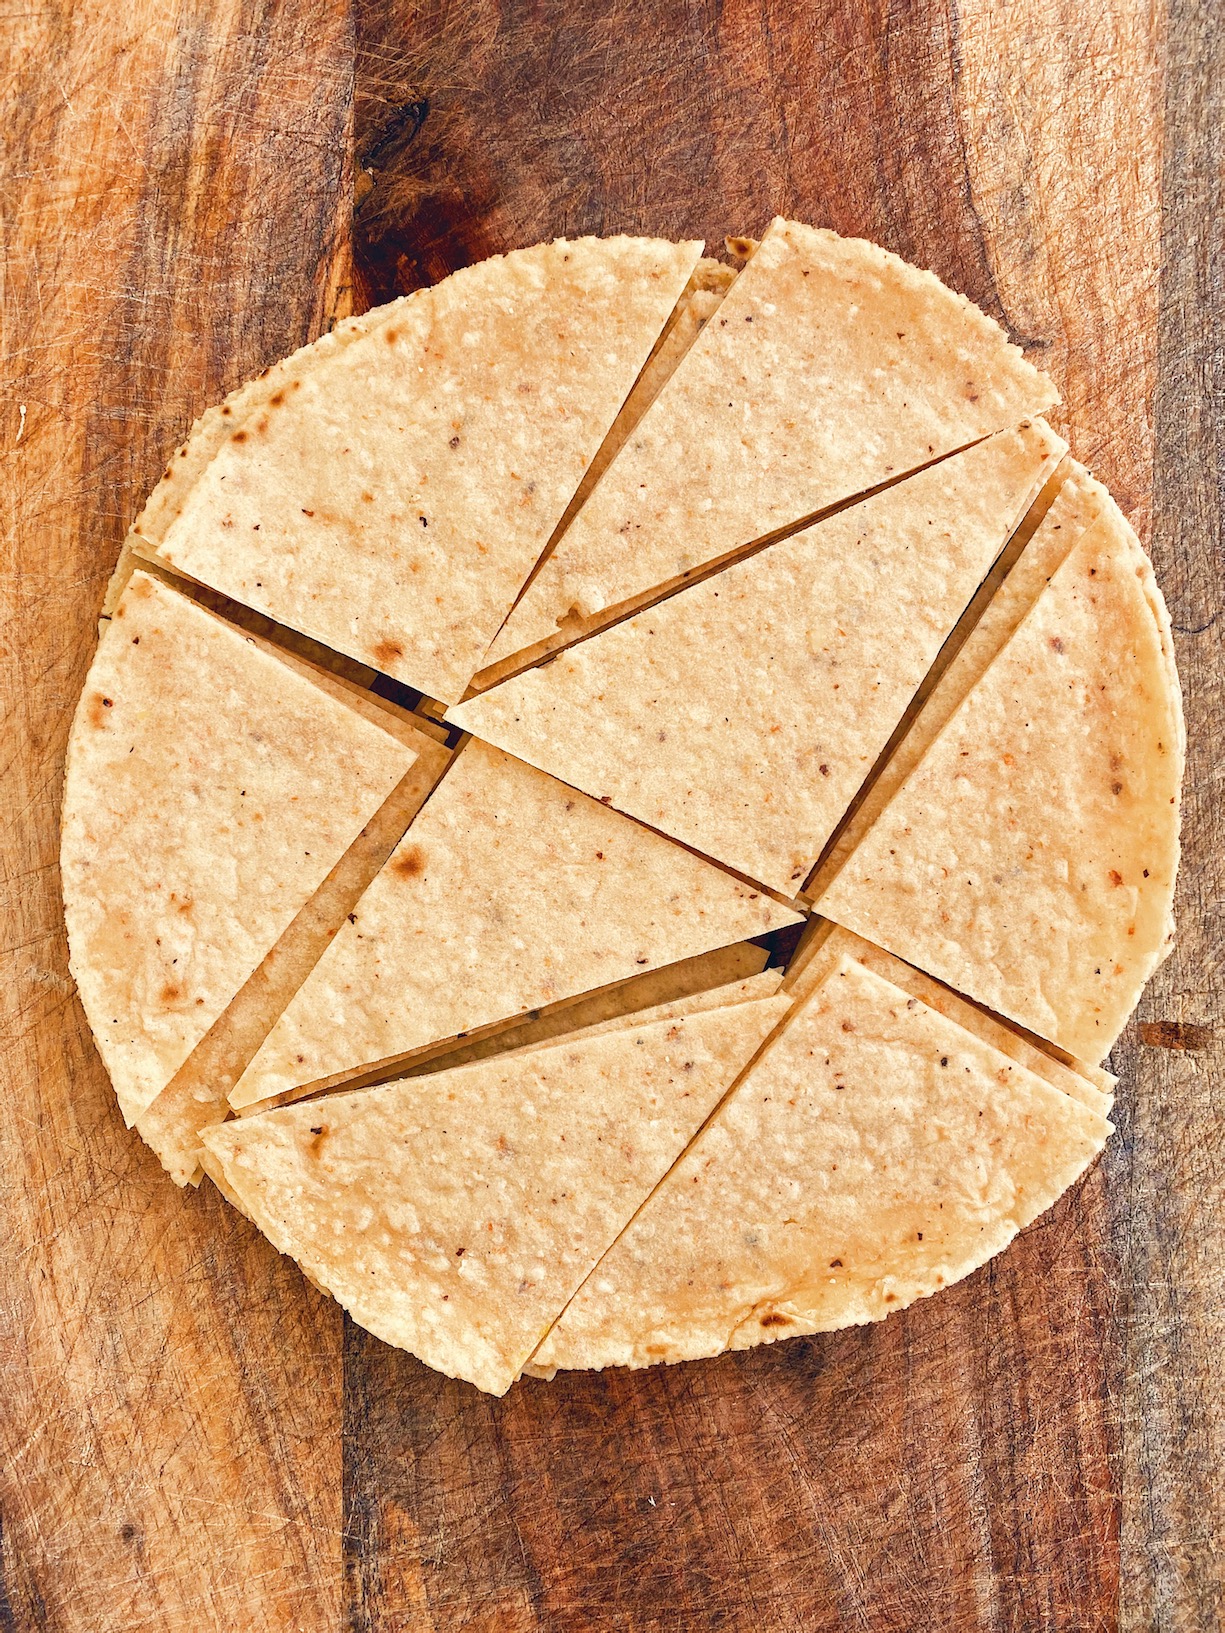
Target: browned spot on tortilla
[1057, 643]
[773, 1319]
[410, 862]
[239, 436]
[391, 336]
[98, 705]
[320, 1134]
[1116, 878]
[277, 398]
[171, 993]
[386, 652]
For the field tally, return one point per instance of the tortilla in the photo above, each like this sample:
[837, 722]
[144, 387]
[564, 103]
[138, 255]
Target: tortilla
[196, 1096]
[1091, 1086]
[210, 431]
[508, 892]
[391, 500]
[454, 1215]
[1029, 859]
[874, 1153]
[832, 366]
[741, 715]
[701, 298]
[1079, 502]
[210, 788]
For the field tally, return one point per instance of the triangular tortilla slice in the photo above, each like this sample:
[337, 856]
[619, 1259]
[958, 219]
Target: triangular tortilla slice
[1088, 1084]
[830, 367]
[1078, 504]
[509, 892]
[210, 788]
[391, 500]
[197, 1095]
[874, 1153]
[741, 715]
[213, 428]
[454, 1215]
[1029, 858]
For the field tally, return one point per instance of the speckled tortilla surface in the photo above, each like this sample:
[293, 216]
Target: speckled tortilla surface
[454, 1215]
[509, 892]
[830, 366]
[1029, 859]
[741, 715]
[874, 1153]
[391, 500]
[210, 789]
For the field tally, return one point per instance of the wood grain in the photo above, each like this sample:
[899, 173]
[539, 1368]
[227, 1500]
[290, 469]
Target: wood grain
[1037, 1449]
[171, 1419]
[1166, 1175]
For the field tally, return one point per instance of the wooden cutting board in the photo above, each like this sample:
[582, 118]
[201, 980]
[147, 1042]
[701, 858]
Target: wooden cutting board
[191, 1436]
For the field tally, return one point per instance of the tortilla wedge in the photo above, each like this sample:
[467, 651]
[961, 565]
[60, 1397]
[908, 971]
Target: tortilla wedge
[831, 367]
[211, 430]
[391, 500]
[1078, 504]
[454, 1215]
[1090, 1085]
[741, 715]
[210, 788]
[874, 1153]
[197, 1095]
[508, 892]
[1029, 858]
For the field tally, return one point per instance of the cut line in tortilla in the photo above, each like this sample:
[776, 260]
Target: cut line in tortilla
[1028, 860]
[740, 716]
[454, 1215]
[831, 367]
[510, 891]
[873, 1153]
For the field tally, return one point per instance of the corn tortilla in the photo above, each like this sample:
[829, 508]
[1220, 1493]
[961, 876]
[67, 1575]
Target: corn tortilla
[197, 1095]
[210, 788]
[830, 367]
[1078, 504]
[454, 1215]
[741, 715]
[509, 892]
[1029, 859]
[391, 500]
[1092, 1087]
[874, 1153]
[210, 431]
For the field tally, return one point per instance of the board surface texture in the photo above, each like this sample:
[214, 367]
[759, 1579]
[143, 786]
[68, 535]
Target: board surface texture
[190, 1435]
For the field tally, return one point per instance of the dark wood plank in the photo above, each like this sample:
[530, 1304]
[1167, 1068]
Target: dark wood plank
[959, 1466]
[1167, 1172]
[169, 1433]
